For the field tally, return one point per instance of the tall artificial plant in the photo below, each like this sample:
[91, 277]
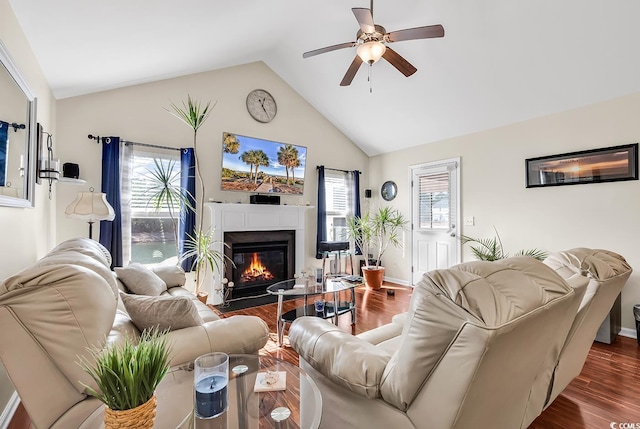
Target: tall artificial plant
[198, 245]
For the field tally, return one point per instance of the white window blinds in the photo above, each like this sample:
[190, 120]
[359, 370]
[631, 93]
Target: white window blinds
[146, 165]
[339, 200]
[436, 208]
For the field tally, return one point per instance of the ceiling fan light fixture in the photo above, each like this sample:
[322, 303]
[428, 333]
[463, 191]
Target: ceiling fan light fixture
[371, 52]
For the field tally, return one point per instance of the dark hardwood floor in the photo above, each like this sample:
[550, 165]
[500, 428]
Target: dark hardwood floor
[607, 390]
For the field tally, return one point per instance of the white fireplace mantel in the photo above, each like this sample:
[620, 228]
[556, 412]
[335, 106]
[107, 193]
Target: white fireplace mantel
[229, 217]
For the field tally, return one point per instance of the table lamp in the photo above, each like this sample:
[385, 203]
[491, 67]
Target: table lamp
[90, 207]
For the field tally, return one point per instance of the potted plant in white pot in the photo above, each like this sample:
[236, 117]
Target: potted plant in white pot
[374, 233]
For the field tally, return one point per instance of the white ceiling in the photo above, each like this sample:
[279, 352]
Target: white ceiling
[500, 61]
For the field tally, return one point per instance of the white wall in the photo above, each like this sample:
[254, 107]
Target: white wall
[137, 113]
[603, 215]
[26, 233]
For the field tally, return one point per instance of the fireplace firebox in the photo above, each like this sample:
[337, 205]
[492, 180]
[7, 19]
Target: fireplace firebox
[260, 259]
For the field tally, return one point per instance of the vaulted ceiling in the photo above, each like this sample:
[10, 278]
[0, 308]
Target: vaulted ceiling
[500, 61]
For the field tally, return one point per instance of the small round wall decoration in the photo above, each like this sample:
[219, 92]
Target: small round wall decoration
[389, 190]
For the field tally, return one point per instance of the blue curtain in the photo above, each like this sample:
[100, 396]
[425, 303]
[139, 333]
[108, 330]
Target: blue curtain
[111, 232]
[4, 134]
[356, 201]
[188, 187]
[322, 212]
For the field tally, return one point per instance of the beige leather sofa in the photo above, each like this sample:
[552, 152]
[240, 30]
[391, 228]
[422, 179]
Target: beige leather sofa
[607, 273]
[68, 301]
[477, 349]
[597, 277]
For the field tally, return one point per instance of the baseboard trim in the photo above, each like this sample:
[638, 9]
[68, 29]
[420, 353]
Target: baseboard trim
[628, 332]
[9, 410]
[397, 281]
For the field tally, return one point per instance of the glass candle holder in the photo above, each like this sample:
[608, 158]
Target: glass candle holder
[211, 378]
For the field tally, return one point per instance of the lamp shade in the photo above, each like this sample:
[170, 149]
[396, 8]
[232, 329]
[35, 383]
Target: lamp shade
[90, 207]
[370, 52]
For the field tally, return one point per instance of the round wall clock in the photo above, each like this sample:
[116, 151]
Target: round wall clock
[389, 190]
[261, 105]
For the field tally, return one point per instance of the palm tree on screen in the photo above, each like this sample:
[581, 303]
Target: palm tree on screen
[249, 157]
[261, 160]
[288, 157]
[231, 143]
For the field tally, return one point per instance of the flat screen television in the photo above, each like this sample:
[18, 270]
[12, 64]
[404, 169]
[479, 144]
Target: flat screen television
[255, 165]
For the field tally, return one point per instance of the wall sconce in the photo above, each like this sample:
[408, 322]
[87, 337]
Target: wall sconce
[49, 168]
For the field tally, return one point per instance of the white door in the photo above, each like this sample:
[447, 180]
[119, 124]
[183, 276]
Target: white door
[435, 216]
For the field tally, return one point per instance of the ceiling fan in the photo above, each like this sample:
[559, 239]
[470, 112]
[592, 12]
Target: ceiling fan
[372, 41]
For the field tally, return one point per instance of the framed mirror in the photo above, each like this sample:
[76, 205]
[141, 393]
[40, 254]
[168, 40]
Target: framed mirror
[18, 157]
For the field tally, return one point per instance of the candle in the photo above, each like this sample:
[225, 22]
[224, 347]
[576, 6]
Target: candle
[211, 396]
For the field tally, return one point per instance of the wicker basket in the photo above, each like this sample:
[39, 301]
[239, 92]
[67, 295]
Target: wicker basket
[141, 417]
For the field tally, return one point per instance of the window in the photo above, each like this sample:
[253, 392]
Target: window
[436, 210]
[339, 200]
[154, 230]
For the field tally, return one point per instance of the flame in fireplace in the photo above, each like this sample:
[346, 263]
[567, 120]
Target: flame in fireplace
[256, 271]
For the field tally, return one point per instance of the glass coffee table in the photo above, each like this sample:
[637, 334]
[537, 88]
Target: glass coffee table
[332, 309]
[299, 406]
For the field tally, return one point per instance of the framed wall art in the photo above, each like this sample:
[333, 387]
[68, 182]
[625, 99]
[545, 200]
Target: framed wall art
[609, 164]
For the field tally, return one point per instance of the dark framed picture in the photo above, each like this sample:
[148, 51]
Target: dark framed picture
[609, 164]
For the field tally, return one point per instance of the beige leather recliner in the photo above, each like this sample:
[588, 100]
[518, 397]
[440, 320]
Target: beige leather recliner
[51, 312]
[607, 273]
[478, 341]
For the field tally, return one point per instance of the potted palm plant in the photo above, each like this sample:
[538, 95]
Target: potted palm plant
[374, 233]
[127, 375]
[199, 244]
[491, 249]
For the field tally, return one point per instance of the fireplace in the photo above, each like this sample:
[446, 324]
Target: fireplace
[260, 259]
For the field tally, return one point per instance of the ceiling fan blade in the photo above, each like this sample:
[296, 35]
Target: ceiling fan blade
[328, 49]
[428, 32]
[365, 19]
[398, 62]
[351, 72]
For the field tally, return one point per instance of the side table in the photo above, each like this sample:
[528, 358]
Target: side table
[331, 309]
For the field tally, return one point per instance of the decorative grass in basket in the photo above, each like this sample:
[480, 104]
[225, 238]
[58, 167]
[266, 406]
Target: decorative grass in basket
[127, 375]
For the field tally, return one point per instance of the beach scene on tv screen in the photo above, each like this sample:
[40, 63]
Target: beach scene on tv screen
[255, 165]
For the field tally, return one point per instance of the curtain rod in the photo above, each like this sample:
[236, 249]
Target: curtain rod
[127, 143]
[99, 139]
[14, 125]
[336, 169]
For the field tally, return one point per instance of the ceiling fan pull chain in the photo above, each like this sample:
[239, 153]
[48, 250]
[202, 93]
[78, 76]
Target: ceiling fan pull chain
[369, 79]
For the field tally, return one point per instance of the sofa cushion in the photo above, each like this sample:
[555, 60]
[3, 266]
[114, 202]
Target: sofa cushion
[172, 275]
[164, 312]
[205, 312]
[141, 280]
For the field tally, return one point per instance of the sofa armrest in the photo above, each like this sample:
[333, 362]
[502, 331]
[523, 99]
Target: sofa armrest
[348, 361]
[236, 334]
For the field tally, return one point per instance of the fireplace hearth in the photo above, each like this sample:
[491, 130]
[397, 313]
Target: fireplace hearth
[260, 259]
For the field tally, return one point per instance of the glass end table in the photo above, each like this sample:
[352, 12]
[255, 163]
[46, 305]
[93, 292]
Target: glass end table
[332, 309]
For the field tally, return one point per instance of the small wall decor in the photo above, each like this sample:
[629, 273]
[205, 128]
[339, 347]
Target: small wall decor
[389, 190]
[609, 164]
